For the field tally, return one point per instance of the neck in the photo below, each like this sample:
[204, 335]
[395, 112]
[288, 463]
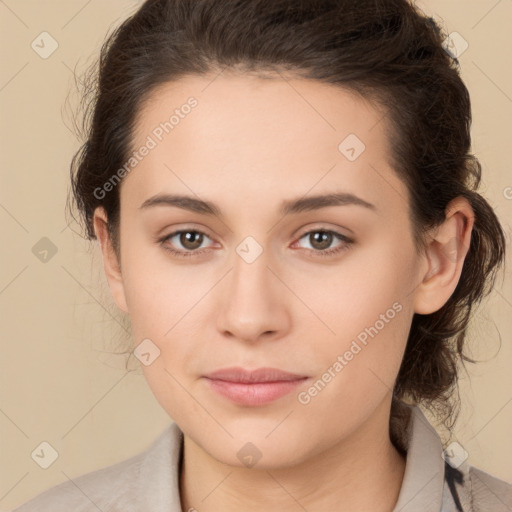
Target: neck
[362, 472]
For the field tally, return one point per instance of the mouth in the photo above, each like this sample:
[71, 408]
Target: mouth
[253, 387]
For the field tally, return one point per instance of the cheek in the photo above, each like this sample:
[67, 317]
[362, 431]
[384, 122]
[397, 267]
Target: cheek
[367, 306]
[351, 295]
[158, 293]
[165, 304]
[171, 391]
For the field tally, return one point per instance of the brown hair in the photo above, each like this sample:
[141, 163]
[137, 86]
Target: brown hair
[385, 50]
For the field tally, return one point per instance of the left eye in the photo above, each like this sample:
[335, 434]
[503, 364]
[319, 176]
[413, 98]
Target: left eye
[321, 240]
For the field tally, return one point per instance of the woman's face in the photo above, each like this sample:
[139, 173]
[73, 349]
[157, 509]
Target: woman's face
[255, 285]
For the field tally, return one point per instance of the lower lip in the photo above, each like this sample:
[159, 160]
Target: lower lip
[258, 393]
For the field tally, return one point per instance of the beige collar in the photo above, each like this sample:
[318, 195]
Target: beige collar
[424, 488]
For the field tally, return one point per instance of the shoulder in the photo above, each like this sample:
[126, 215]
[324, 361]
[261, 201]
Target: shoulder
[434, 479]
[120, 486]
[488, 492]
[87, 492]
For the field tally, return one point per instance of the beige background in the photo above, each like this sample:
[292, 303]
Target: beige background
[57, 383]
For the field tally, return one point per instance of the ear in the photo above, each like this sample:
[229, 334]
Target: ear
[110, 261]
[444, 257]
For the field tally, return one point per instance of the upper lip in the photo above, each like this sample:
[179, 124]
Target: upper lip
[238, 374]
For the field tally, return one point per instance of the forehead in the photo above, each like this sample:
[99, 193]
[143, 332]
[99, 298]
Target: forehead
[244, 135]
[294, 108]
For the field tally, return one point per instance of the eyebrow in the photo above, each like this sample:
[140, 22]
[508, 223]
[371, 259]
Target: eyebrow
[292, 206]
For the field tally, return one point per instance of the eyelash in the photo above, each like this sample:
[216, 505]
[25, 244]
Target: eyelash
[322, 253]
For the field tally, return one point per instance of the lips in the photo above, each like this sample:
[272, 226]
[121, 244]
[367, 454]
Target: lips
[237, 374]
[253, 387]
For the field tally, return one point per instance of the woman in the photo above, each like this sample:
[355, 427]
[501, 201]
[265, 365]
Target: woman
[287, 211]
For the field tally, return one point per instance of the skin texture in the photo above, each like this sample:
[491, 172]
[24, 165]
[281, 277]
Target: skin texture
[248, 145]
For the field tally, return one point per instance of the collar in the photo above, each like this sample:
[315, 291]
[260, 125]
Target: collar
[430, 484]
[158, 483]
[425, 486]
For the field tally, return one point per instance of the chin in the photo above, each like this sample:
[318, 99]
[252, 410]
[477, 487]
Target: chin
[256, 451]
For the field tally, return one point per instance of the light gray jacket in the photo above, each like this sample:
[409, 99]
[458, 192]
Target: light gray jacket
[148, 481]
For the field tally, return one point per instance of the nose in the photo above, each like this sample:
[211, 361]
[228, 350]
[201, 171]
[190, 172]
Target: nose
[254, 303]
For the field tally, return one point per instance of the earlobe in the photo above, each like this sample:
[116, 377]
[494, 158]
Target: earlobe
[110, 260]
[444, 256]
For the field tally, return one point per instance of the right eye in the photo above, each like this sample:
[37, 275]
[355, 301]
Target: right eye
[190, 239]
